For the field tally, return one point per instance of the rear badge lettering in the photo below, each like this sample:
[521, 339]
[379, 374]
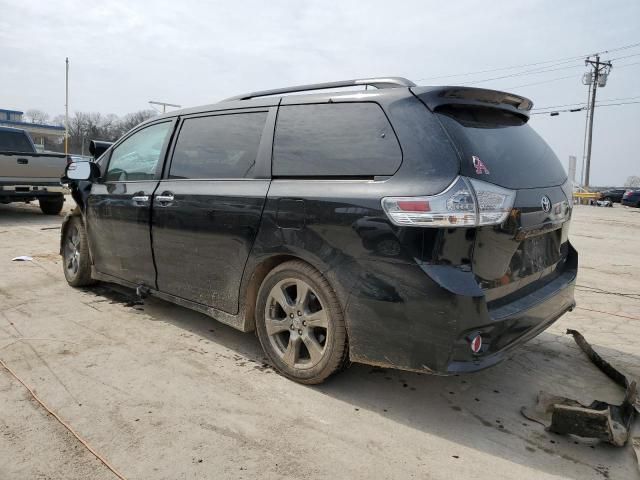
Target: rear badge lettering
[479, 165]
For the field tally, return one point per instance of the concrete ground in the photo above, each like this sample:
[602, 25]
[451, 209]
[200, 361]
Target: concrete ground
[166, 393]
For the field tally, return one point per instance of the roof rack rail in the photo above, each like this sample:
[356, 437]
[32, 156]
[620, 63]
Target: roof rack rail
[382, 82]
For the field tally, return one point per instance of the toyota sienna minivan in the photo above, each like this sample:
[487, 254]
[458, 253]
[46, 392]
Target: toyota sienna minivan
[420, 228]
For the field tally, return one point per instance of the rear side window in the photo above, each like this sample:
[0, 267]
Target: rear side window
[514, 155]
[14, 142]
[219, 146]
[340, 139]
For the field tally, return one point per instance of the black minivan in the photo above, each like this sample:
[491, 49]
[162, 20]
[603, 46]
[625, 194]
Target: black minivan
[421, 228]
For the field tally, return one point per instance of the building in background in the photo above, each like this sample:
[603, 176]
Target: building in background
[44, 136]
[572, 168]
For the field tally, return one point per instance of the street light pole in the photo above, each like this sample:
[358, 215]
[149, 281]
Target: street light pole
[164, 105]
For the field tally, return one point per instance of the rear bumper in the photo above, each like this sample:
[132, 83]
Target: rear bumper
[514, 324]
[401, 318]
[21, 193]
[630, 203]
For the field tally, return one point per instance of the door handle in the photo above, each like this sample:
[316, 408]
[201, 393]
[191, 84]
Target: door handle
[23, 161]
[165, 199]
[140, 200]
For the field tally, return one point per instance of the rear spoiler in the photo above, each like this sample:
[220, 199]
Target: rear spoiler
[434, 97]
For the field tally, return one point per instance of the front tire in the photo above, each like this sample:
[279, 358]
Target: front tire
[300, 324]
[51, 206]
[75, 254]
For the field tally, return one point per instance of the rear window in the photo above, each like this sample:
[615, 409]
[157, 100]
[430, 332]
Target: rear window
[14, 142]
[514, 155]
[329, 140]
[219, 146]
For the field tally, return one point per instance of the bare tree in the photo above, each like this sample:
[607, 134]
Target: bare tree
[632, 181]
[87, 126]
[37, 116]
[131, 120]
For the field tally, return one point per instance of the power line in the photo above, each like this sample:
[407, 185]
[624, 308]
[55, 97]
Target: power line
[526, 72]
[579, 109]
[567, 59]
[622, 48]
[541, 82]
[618, 67]
[616, 104]
[512, 67]
[562, 78]
[584, 103]
[584, 108]
[537, 71]
[626, 56]
[616, 99]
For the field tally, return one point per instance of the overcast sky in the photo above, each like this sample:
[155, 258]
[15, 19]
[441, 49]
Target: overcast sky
[125, 53]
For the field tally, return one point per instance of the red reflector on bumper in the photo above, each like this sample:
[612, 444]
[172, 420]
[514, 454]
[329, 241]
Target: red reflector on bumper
[476, 344]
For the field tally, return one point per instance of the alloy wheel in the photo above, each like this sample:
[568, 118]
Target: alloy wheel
[72, 250]
[296, 323]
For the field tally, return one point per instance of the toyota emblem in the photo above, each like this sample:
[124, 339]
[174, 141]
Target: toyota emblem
[546, 204]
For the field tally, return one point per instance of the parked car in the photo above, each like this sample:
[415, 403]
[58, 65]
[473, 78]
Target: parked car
[631, 198]
[26, 175]
[422, 228]
[614, 195]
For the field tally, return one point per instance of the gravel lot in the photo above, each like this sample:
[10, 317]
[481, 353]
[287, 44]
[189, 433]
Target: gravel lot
[166, 393]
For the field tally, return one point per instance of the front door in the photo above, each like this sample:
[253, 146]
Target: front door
[207, 208]
[118, 210]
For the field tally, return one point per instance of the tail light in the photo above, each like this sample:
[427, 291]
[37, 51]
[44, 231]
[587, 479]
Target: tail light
[465, 203]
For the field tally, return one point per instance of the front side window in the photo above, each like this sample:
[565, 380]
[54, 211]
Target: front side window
[339, 139]
[137, 157]
[218, 146]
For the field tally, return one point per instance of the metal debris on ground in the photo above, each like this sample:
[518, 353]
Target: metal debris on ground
[599, 420]
[22, 258]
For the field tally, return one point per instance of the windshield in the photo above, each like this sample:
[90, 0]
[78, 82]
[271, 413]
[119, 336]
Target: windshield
[499, 147]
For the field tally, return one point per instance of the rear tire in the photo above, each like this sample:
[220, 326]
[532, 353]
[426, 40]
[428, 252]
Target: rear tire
[51, 206]
[75, 254]
[300, 323]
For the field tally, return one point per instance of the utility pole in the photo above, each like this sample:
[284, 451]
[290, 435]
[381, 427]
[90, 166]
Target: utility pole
[66, 107]
[584, 140]
[164, 105]
[596, 78]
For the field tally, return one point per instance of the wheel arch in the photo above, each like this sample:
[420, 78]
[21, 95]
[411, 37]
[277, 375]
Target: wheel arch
[259, 273]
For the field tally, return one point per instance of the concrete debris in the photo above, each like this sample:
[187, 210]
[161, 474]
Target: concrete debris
[599, 420]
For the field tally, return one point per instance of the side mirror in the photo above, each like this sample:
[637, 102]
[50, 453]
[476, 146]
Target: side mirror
[98, 147]
[81, 171]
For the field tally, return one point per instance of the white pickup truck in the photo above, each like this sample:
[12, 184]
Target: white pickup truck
[26, 175]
